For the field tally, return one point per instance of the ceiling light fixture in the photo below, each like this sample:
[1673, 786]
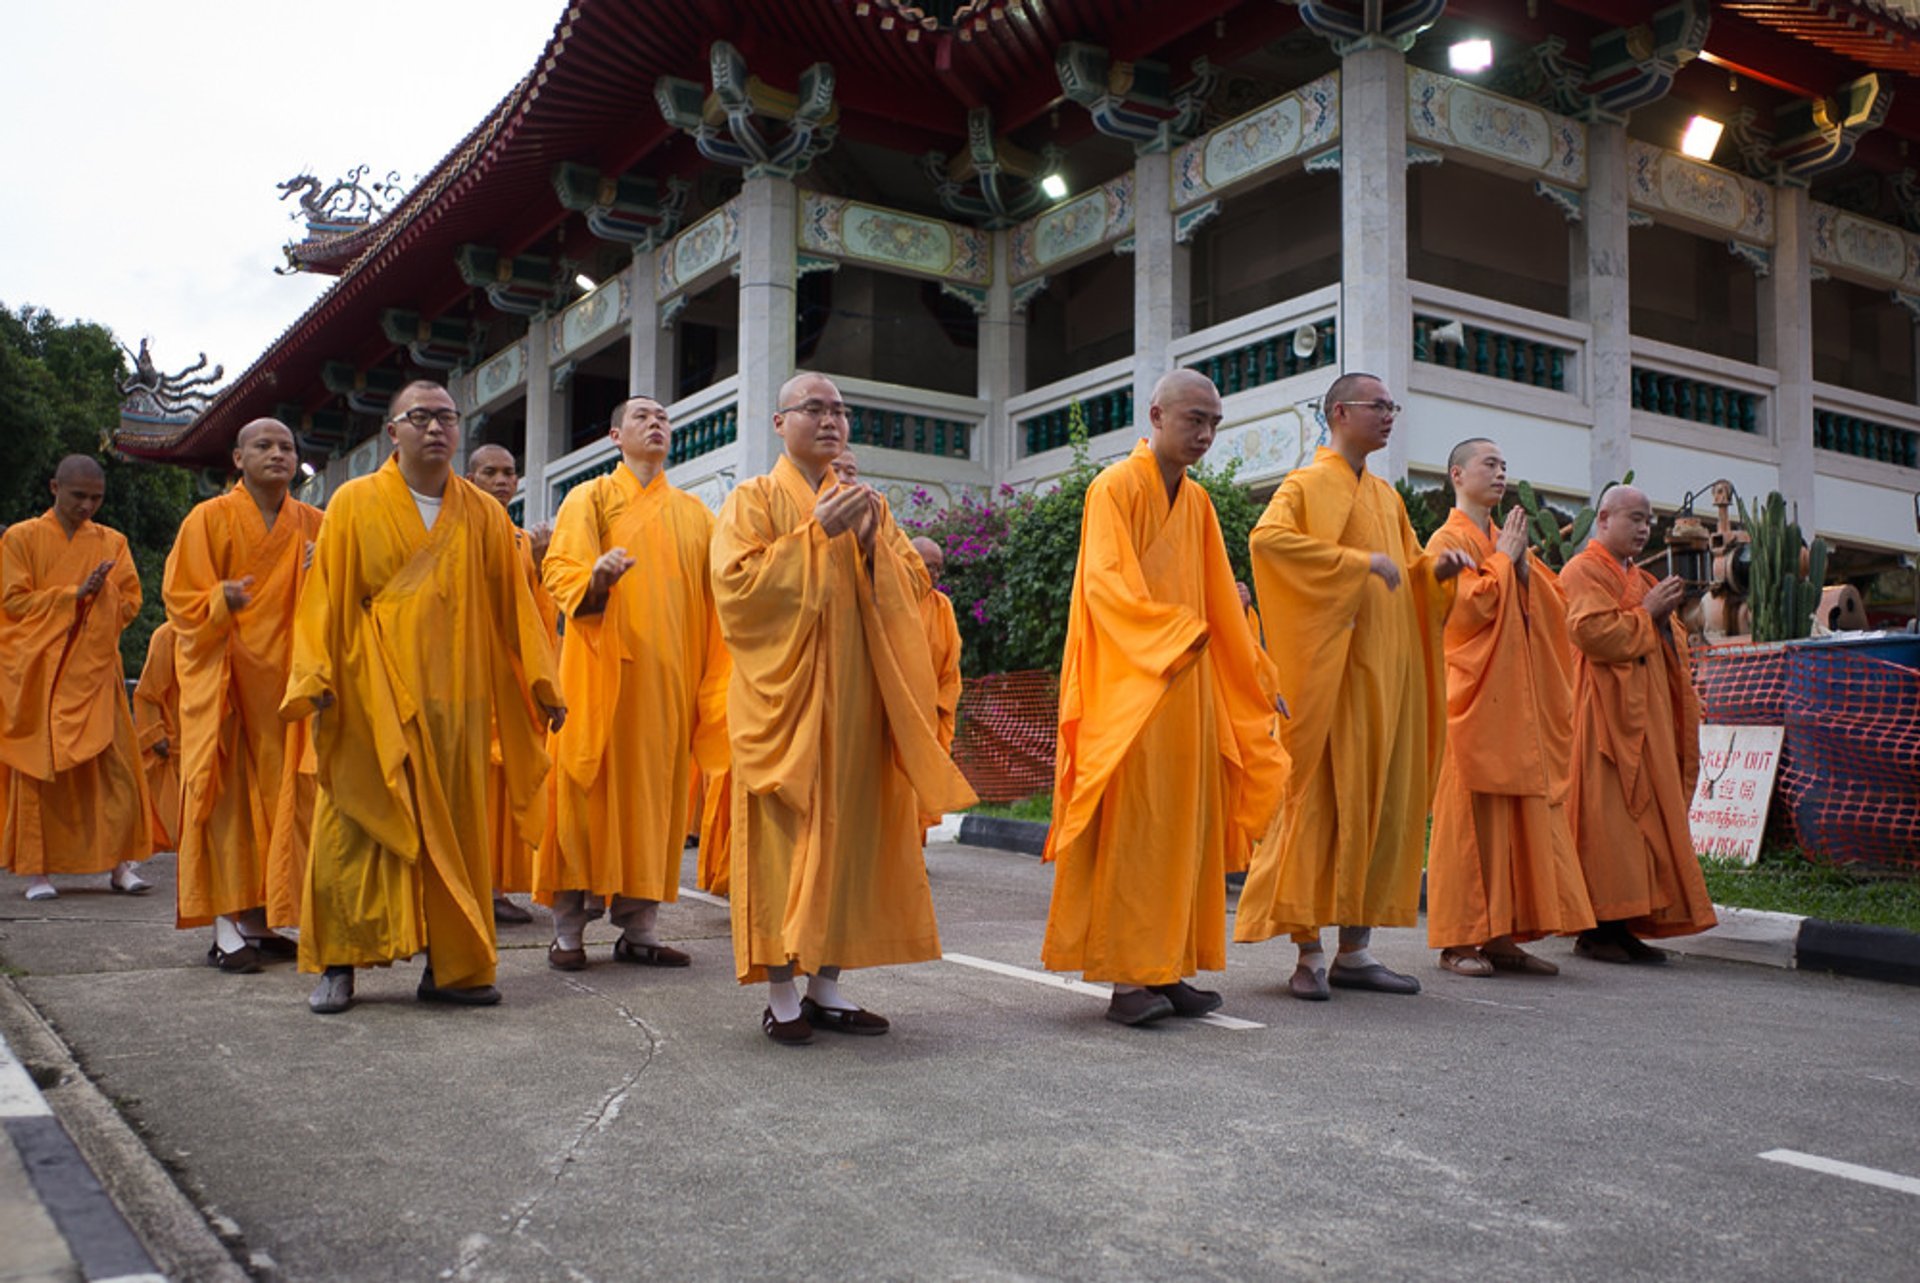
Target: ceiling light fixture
[1470, 56]
[585, 282]
[1702, 136]
[1054, 186]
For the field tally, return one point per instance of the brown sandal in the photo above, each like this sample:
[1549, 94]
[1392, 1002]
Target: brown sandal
[1465, 962]
[1519, 962]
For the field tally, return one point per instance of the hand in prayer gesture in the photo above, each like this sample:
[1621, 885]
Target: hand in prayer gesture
[845, 508]
[869, 522]
[1663, 597]
[1513, 541]
[95, 580]
[1449, 563]
[239, 592]
[613, 563]
[1382, 565]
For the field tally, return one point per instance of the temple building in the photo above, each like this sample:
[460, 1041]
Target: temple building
[1676, 238]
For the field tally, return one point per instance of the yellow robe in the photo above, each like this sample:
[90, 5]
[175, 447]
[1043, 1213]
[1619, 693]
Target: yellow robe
[512, 862]
[77, 797]
[832, 714]
[1361, 669]
[1636, 752]
[943, 647]
[646, 681]
[419, 636]
[1167, 766]
[233, 748]
[1501, 861]
[156, 719]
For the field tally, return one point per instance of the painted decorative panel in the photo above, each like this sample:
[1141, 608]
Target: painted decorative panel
[502, 372]
[1666, 180]
[365, 458]
[1297, 122]
[1102, 215]
[1861, 245]
[701, 248]
[1272, 446]
[1453, 113]
[844, 228]
[590, 317]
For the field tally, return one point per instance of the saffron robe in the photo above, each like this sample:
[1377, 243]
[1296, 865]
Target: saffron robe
[832, 715]
[646, 679]
[236, 755]
[1636, 752]
[943, 647]
[1361, 669]
[156, 720]
[77, 798]
[420, 636]
[1501, 860]
[1167, 766]
[512, 859]
[714, 871]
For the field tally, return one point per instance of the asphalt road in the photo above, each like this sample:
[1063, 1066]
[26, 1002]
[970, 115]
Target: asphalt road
[625, 1122]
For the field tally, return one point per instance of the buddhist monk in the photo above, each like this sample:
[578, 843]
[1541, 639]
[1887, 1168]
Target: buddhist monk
[833, 717]
[232, 579]
[76, 794]
[846, 466]
[416, 635]
[156, 720]
[1636, 741]
[491, 467]
[1167, 764]
[645, 672]
[943, 645]
[1501, 867]
[1353, 609]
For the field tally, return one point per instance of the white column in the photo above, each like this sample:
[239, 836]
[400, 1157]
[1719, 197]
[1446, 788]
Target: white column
[1162, 280]
[1003, 363]
[1376, 309]
[1598, 290]
[545, 419]
[769, 228]
[649, 343]
[1786, 344]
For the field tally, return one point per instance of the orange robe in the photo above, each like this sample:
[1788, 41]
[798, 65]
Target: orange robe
[1501, 861]
[512, 860]
[77, 797]
[156, 719]
[943, 646]
[1636, 752]
[1254, 627]
[832, 714]
[714, 874]
[236, 755]
[419, 636]
[1167, 766]
[646, 681]
[1361, 668]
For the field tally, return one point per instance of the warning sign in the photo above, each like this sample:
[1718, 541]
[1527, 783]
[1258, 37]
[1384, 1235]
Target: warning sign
[1729, 812]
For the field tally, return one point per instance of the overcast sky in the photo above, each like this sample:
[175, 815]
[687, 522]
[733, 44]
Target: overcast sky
[143, 142]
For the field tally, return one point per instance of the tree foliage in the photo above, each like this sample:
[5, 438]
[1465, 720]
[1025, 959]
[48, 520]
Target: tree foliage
[60, 395]
[973, 534]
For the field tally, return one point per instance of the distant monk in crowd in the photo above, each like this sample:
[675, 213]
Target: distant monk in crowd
[492, 469]
[156, 721]
[846, 467]
[76, 798]
[1167, 766]
[416, 635]
[1501, 865]
[1636, 741]
[834, 723]
[645, 674]
[943, 638]
[232, 580]
[1353, 608]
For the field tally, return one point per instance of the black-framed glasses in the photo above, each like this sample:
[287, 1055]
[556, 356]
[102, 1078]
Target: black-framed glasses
[420, 417]
[1387, 409]
[818, 409]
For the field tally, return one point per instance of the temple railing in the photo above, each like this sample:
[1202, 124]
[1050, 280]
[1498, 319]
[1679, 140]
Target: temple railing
[1267, 346]
[1493, 340]
[1040, 417]
[1695, 387]
[702, 423]
[1865, 427]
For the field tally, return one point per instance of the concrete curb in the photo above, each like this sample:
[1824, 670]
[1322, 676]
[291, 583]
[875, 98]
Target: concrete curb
[121, 1214]
[1744, 935]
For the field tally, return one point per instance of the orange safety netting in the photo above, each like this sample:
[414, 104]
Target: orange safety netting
[1007, 726]
[1848, 791]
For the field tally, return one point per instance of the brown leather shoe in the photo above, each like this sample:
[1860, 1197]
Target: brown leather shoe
[1188, 1001]
[1600, 947]
[566, 959]
[649, 955]
[1139, 1007]
[1519, 962]
[244, 961]
[464, 996]
[1467, 962]
[1639, 950]
[508, 914]
[842, 1020]
[791, 1033]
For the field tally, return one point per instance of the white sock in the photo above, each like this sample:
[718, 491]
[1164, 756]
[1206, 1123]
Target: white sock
[1357, 958]
[825, 992]
[226, 934]
[1313, 957]
[642, 930]
[783, 997]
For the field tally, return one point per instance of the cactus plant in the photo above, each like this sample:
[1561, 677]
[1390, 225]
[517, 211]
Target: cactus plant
[1553, 543]
[1783, 602]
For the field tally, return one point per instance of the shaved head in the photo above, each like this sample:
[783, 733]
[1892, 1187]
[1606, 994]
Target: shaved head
[417, 385]
[267, 459]
[846, 466]
[933, 555]
[1619, 496]
[79, 487]
[1467, 451]
[1181, 383]
[78, 468]
[1478, 474]
[1622, 521]
[1183, 417]
[489, 453]
[491, 467]
[256, 426]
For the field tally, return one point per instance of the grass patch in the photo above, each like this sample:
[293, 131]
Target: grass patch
[1039, 807]
[1785, 881]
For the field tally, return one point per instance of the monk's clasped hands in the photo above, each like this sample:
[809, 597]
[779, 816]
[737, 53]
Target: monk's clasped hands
[96, 580]
[238, 592]
[1512, 542]
[1663, 597]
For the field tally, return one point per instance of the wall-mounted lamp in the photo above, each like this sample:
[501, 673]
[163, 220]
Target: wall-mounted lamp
[1054, 186]
[1702, 136]
[1469, 56]
[585, 282]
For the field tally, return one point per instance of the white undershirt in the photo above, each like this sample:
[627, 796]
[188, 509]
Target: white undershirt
[428, 505]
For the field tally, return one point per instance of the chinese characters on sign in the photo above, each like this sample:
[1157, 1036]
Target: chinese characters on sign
[1729, 811]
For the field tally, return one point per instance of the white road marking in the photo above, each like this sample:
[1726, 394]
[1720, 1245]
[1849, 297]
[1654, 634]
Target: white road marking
[1851, 1171]
[1051, 980]
[19, 1098]
[704, 898]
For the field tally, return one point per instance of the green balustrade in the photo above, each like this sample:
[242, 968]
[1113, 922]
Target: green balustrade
[1680, 396]
[913, 433]
[1267, 360]
[1106, 412]
[559, 488]
[1865, 438]
[707, 433]
[1494, 354]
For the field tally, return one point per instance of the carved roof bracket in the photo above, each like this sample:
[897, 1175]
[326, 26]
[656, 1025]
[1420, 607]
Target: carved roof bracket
[994, 183]
[745, 122]
[1136, 101]
[628, 209]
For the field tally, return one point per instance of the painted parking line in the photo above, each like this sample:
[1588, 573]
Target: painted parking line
[19, 1097]
[1053, 981]
[1849, 1171]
